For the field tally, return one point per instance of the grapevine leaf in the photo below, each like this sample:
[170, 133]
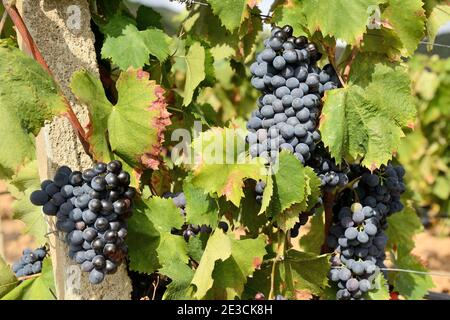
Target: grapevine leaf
[133, 47]
[28, 97]
[164, 214]
[306, 271]
[231, 275]
[230, 12]
[116, 24]
[380, 290]
[172, 250]
[21, 186]
[248, 214]
[440, 15]
[402, 227]
[412, 286]
[7, 278]
[291, 14]
[313, 190]
[218, 248]
[139, 113]
[341, 19]
[408, 21]
[181, 277]
[40, 288]
[288, 183]
[195, 71]
[267, 195]
[313, 240]
[142, 241]
[362, 122]
[200, 208]
[218, 153]
[195, 248]
[146, 17]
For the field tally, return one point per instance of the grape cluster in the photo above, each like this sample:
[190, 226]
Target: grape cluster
[357, 235]
[292, 86]
[330, 174]
[91, 209]
[188, 230]
[30, 262]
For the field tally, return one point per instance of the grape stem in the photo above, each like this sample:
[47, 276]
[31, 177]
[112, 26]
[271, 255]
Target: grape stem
[33, 50]
[328, 201]
[280, 257]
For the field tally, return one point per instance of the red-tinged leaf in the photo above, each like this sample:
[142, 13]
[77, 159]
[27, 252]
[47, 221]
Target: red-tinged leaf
[140, 116]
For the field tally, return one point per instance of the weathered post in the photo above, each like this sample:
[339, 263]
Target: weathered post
[62, 32]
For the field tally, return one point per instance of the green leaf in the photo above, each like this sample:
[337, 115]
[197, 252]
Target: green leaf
[291, 14]
[164, 214]
[218, 248]
[133, 47]
[230, 12]
[140, 113]
[402, 226]
[306, 271]
[172, 250]
[116, 24]
[219, 154]
[21, 186]
[312, 241]
[142, 241]
[288, 183]
[200, 208]
[181, 277]
[341, 19]
[380, 290]
[362, 122]
[39, 288]
[195, 71]
[412, 286]
[267, 195]
[7, 278]
[195, 248]
[408, 20]
[28, 97]
[440, 15]
[231, 275]
[146, 17]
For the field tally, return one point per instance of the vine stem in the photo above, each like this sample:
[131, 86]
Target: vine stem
[32, 48]
[328, 201]
[280, 256]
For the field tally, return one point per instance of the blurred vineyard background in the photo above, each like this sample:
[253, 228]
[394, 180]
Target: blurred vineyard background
[425, 152]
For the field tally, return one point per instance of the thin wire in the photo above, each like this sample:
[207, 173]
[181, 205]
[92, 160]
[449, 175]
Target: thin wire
[435, 44]
[431, 273]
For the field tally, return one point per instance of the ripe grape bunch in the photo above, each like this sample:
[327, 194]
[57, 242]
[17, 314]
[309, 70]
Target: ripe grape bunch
[357, 235]
[292, 86]
[30, 262]
[91, 209]
[188, 230]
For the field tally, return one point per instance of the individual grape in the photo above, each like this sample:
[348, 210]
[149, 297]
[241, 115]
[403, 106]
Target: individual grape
[268, 54]
[351, 233]
[287, 72]
[276, 43]
[223, 225]
[289, 56]
[39, 198]
[344, 274]
[358, 217]
[282, 91]
[96, 276]
[292, 83]
[279, 63]
[303, 115]
[352, 284]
